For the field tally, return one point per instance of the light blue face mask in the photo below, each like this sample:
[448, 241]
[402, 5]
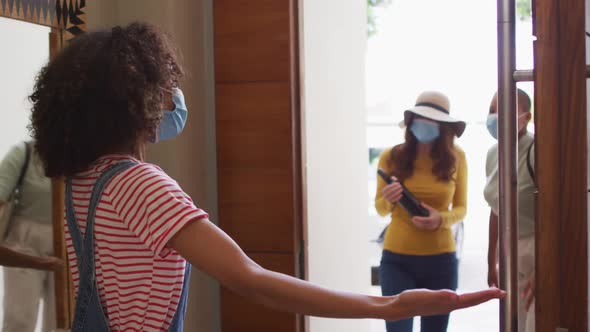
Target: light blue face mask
[425, 131]
[492, 125]
[173, 122]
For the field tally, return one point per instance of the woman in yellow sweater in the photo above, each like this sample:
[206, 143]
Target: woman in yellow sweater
[419, 252]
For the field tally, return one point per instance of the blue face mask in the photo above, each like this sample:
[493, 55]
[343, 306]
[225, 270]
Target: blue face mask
[173, 121]
[425, 131]
[492, 124]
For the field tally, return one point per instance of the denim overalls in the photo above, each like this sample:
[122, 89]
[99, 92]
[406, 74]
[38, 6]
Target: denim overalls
[89, 315]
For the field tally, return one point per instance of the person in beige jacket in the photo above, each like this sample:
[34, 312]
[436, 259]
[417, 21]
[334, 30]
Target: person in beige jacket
[29, 233]
[526, 210]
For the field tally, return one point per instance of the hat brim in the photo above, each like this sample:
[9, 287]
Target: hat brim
[436, 115]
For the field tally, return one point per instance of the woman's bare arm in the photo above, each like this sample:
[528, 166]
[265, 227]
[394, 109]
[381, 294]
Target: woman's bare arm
[13, 258]
[212, 251]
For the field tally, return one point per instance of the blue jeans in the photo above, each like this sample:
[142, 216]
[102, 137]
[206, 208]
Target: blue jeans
[402, 272]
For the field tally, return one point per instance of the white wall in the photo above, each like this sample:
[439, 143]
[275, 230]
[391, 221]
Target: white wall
[190, 158]
[333, 46]
[25, 49]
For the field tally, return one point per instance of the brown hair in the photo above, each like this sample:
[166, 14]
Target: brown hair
[402, 157]
[101, 94]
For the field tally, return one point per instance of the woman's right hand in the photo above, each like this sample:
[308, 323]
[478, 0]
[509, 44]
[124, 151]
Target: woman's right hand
[423, 302]
[51, 263]
[393, 192]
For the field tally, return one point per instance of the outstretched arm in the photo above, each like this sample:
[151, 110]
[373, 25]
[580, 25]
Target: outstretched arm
[12, 258]
[236, 271]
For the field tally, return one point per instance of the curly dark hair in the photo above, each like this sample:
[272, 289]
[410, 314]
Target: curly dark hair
[402, 156]
[103, 93]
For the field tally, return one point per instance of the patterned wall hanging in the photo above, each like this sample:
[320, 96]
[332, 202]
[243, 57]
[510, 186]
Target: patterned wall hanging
[64, 14]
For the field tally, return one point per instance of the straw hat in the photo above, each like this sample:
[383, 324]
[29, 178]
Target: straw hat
[435, 106]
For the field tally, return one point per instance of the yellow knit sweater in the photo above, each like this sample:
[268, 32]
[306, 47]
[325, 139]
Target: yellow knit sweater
[448, 197]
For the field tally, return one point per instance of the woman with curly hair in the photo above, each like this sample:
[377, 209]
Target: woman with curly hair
[132, 230]
[419, 250]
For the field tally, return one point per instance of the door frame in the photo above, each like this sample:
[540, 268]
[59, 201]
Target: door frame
[561, 166]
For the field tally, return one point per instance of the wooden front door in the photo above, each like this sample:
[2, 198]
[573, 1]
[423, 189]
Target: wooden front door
[561, 161]
[258, 146]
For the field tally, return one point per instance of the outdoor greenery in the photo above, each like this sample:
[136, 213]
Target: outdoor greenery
[523, 9]
[371, 16]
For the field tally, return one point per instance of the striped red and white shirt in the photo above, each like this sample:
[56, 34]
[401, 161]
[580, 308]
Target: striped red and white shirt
[139, 277]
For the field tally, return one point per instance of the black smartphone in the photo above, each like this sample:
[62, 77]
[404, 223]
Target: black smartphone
[408, 201]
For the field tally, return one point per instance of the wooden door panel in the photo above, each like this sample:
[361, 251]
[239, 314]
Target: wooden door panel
[257, 209]
[573, 109]
[254, 125]
[561, 161]
[546, 169]
[258, 145]
[252, 40]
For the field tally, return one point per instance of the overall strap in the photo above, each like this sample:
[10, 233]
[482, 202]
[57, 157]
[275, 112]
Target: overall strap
[84, 246]
[24, 167]
[177, 324]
